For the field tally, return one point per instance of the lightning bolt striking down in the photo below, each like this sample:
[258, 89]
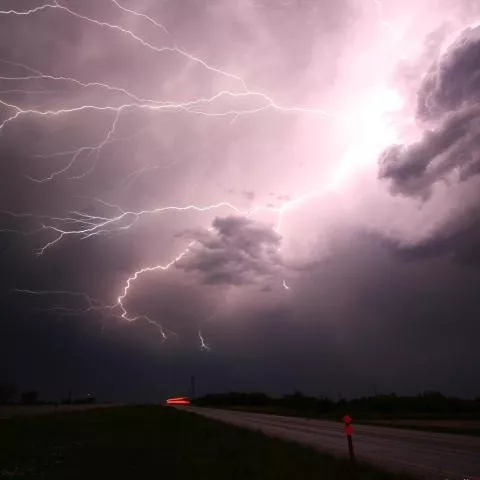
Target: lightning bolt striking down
[120, 101]
[203, 345]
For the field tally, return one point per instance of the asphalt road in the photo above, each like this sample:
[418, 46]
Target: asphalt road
[427, 455]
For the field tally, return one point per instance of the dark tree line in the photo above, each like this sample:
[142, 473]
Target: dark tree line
[8, 394]
[391, 405]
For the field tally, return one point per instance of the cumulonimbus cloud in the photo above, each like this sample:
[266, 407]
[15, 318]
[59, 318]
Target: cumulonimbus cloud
[448, 105]
[449, 99]
[452, 82]
[235, 251]
[455, 146]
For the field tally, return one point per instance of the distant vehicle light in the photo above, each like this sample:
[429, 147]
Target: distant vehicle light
[178, 401]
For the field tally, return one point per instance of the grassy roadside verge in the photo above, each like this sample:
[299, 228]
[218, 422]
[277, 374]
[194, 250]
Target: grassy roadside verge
[474, 432]
[424, 424]
[142, 442]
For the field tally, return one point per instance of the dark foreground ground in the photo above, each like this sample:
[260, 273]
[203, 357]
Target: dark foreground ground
[146, 442]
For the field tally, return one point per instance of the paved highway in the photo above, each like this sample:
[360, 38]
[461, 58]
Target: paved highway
[427, 455]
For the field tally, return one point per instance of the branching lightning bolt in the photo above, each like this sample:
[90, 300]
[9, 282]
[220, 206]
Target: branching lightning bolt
[82, 225]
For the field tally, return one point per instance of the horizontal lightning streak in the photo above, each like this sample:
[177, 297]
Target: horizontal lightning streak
[43, 76]
[192, 106]
[83, 225]
[94, 305]
[92, 302]
[141, 15]
[129, 33]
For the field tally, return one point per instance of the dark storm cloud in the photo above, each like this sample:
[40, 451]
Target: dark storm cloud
[458, 239]
[237, 251]
[364, 318]
[454, 146]
[448, 151]
[449, 97]
[454, 81]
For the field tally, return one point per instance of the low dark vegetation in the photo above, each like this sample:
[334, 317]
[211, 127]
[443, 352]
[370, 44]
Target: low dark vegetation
[10, 396]
[425, 405]
[157, 442]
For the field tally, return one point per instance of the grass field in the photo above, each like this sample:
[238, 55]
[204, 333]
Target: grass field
[146, 442]
[7, 411]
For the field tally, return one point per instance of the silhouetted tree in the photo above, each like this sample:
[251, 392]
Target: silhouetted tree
[30, 398]
[300, 401]
[83, 401]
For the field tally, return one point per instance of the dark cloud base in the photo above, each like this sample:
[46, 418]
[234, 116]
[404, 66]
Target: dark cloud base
[237, 251]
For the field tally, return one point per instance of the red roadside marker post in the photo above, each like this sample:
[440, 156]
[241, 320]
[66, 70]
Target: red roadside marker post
[349, 431]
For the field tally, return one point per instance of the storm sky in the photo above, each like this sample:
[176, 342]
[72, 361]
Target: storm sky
[269, 195]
